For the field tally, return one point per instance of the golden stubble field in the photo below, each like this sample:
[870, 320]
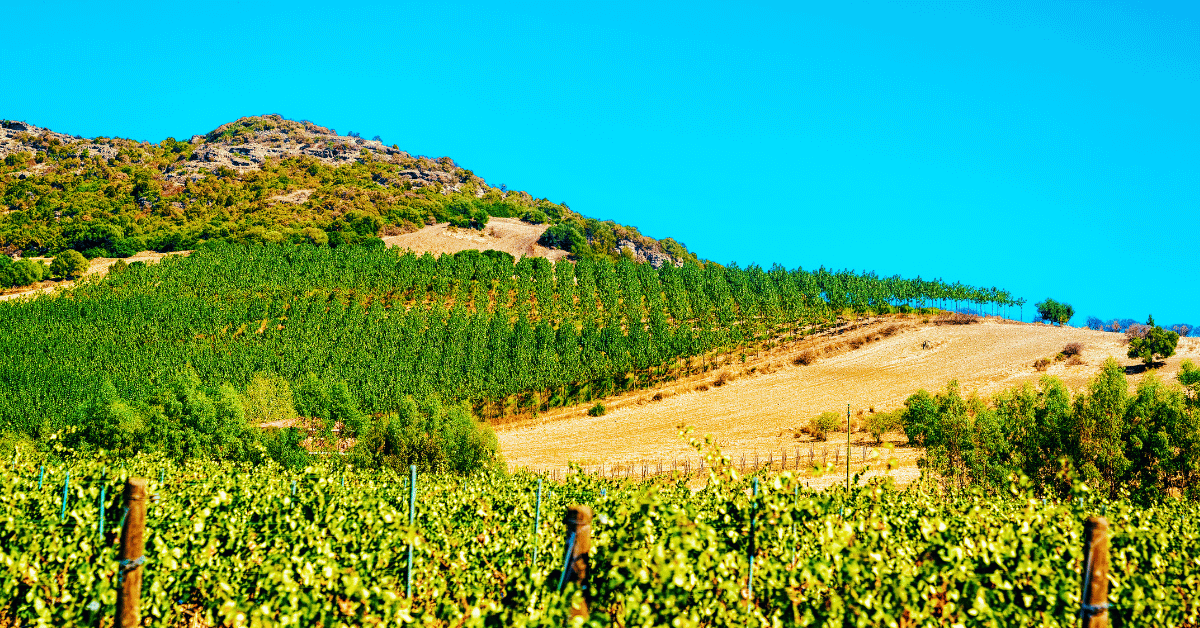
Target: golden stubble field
[760, 413]
[510, 235]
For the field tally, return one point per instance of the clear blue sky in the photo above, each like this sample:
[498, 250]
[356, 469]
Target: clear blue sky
[1049, 148]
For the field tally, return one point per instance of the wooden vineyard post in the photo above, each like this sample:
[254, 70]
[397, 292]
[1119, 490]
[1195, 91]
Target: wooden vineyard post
[1093, 596]
[575, 559]
[133, 544]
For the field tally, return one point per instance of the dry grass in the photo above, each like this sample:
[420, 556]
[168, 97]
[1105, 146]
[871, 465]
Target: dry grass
[760, 411]
[510, 235]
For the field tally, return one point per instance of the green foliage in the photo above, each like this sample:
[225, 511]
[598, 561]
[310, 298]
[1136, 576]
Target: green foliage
[1154, 344]
[22, 272]
[181, 419]
[1052, 311]
[268, 399]
[1146, 445]
[880, 423]
[597, 410]
[564, 236]
[476, 326]
[430, 435]
[333, 553]
[821, 425]
[69, 264]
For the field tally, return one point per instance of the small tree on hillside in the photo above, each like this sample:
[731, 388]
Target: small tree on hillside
[1052, 311]
[69, 264]
[1156, 342]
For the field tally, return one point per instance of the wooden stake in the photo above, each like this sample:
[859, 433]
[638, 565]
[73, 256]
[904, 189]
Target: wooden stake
[1094, 593]
[579, 544]
[133, 544]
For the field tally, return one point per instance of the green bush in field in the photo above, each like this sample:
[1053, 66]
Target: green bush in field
[69, 264]
[1155, 342]
[879, 423]
[821, 425]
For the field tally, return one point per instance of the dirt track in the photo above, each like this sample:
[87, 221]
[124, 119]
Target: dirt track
[758, 412]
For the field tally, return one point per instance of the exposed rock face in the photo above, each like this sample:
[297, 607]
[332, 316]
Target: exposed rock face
[643, 254]
[246, 144]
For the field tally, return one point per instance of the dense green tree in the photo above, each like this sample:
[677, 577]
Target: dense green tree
[69, 264]
[1052, 311]
[1156, 343]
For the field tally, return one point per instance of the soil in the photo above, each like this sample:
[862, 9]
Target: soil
[510, 235]
[763, 412]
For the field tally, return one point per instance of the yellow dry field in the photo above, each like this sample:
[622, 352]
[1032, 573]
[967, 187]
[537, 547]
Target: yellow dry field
[761, 413]
[510, 235]
[97, 267]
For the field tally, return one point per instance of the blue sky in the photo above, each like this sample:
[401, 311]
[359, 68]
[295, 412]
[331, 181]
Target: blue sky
[1050, 148]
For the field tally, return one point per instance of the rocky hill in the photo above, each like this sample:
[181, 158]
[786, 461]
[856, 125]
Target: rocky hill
[259, 178]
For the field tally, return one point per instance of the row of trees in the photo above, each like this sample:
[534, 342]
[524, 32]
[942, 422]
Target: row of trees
[1146, 443]
[506, 337]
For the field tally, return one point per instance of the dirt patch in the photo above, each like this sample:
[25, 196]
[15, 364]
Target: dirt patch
[296, 198]
[97, 268]
[760, 411]
[510, 235]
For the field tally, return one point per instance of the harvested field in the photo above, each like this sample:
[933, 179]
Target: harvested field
[510, 235]
[763, 411]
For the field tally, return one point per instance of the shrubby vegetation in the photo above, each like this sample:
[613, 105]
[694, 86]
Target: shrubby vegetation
[431, 435]
[820, 425]
[147, 198]
[185, 420]
[21, 272]
[1123, 325]
[1150, 342]
[1146, 444]
[182, 419]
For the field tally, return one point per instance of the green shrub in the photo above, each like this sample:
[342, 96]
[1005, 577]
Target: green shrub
[69, 264]
[597, 410]
[880, 423]
[430, 435]
[821, 425]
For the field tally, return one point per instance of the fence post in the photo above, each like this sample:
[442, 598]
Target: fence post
[537, 523]
[66, 486]
[103, 496]
[412, 518]
[133, 541]
[1093, 597]
[578, 521]
[750, 551]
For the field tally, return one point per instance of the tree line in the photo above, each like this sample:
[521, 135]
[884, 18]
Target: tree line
[1145, 444]
[505, 336]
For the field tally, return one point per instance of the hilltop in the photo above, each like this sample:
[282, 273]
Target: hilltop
[263, 179]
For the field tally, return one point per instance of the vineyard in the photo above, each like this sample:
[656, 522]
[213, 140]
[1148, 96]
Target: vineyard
[238, 546]
[509, 338]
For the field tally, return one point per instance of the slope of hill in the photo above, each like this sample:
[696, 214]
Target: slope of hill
[257, 179]
[762, 412]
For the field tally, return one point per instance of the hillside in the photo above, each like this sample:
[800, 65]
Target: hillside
[257, 179]
[763, 411]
